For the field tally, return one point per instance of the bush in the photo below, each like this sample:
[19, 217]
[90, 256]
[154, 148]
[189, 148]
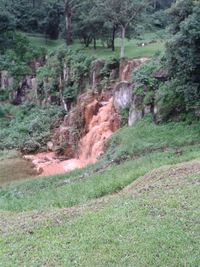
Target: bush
[30, 146]
[29, 129]
[110, 64]
[168, 101]
[183, 51]
[145, 84]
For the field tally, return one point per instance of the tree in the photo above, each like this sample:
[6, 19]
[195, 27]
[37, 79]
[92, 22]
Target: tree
[52, 21]
[183, 51]
[123, 14]
[69, 7]
[179, 12]
[88, 26]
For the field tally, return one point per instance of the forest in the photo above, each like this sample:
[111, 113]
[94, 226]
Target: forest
[99, 132]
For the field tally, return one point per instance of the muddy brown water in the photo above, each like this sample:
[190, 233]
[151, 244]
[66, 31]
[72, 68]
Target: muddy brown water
[15, 168]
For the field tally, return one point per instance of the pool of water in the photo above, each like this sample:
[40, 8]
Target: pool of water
[14, 167]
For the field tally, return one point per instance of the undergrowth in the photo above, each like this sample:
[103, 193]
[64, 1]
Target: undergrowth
[26, 127]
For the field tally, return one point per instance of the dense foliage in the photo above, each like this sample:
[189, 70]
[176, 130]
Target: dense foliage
[26, 127]
[183, 52]
[172, 83]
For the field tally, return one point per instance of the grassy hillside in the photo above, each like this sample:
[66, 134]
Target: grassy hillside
[153, 222]
[131, 153]
[133, 50]
[156, 224]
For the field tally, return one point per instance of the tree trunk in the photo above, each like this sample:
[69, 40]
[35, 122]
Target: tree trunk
[87, 41]
[68, 22]
[95, 43]
[113, 38]
[122, 53]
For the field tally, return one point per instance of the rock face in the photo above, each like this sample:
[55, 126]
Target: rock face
[127, 67]
[122, 96]
[96, 68]
[135, 111]
[5, 81]
[98, 121]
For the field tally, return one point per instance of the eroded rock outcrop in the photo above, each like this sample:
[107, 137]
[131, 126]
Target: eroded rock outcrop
[122, 96]
[96, 68]
[81, 135]
[127, 67]
[136, 111]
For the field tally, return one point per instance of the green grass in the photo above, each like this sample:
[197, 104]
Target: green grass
[157, 228]
[153, 146]
[146, 137]
[39, 40]
[132, 48]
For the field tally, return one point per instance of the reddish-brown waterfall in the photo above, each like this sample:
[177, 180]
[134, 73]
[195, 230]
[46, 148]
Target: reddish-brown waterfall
[100, 123]
[100, 129]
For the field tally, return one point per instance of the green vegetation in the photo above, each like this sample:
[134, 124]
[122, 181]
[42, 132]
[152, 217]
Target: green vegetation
[155, 225]
[137, 206]
[26, 127]
[182, 52]
[133, 46]
[152, 146]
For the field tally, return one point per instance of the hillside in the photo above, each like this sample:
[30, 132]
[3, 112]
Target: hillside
[152, 222]
[42, 224]
[99, 133]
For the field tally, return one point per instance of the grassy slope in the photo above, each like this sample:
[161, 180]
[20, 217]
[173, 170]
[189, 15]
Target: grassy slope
[157, 227]
[153, 146]
[132, 49]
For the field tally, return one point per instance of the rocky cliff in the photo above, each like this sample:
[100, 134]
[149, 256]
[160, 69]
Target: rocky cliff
[80, 137]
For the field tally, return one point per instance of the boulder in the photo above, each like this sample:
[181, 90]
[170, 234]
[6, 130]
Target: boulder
[134, 114]
[122, 96]
[50, 146]
[96, 68]
[4, 79]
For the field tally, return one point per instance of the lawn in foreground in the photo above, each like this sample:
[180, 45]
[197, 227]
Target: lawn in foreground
[159, 227]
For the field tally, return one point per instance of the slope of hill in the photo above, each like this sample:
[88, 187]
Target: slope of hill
[153, 222]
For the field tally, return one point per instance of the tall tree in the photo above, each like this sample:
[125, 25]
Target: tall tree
[122, 13]
[69, 8]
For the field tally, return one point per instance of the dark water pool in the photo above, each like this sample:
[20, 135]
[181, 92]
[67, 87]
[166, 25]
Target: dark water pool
[15, 168]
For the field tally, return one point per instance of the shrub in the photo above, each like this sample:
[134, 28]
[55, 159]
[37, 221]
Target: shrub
[183, 50]
[167, 99]
[29, 129]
